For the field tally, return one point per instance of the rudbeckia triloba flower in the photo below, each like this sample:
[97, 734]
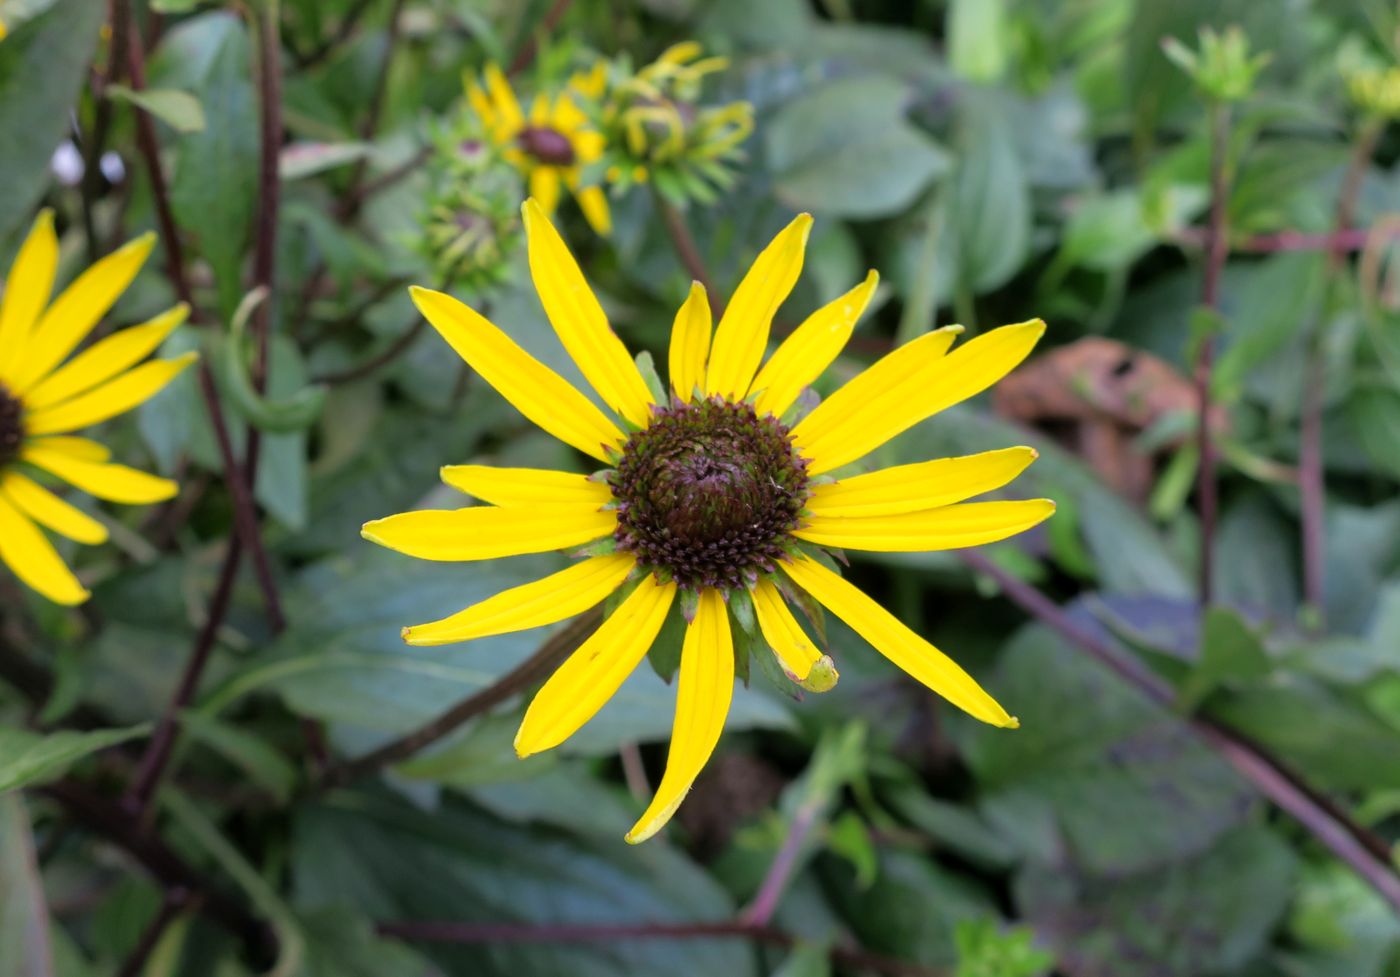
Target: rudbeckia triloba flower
[710, 495]
[45, 396]
[550, 147]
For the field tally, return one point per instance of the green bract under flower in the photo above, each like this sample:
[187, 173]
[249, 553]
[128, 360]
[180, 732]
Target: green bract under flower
[708, 494]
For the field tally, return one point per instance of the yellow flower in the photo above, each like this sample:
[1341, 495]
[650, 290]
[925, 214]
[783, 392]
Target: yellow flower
[43, 399]
[709, 495]
[549, 148]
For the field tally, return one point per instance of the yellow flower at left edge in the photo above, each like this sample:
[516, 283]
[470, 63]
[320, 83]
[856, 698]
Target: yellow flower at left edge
[551, 146]
[47, 394]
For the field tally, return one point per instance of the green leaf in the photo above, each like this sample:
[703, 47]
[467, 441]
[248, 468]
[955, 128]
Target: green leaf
[179, 110]
[393, 861]
[1095, 769]
[1230, 652]
[847, 150]
[1375, 412]
[215, 181]
[989, 201]
[43, 66]
[25, 950]
[979, 39]
[31, 758]
[246, 750]
[303, 159]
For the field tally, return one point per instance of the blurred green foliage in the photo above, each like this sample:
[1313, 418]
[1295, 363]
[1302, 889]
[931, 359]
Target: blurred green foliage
[995, 160]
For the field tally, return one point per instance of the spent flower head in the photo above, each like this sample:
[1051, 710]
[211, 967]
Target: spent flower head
[716, 495]
[657, 129]
[1372, 80]
[47, 394]
[1221, 65]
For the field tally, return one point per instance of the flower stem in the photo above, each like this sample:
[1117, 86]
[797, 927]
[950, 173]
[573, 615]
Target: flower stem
[1217, 250]
[686, 249]
[1366, 853]
[780, 871]
[1312, 472]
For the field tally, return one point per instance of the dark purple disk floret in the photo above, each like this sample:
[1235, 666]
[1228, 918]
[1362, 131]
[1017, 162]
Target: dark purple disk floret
[708, 493]
[548, 146]
[11, 427]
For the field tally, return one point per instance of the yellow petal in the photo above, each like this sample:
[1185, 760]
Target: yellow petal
[27, 288]
[33, 559]
[811, 348]
[921, 660]
[903, 389]
[73, 314]
[83, 449]
[927, 485]
[485, 532]
[742, 335]
[48, 510]
[509, 119]
[594, 204]
[539, 110]
[704, 689]
[526, 486]
[580, 322]
[867, 402]
[105, 360]
[544, 187]
[532, 605]
[593, 673]
[690, 344]
[481, 105]
[784, 635]
[114, 483]
[952, 527]
[110, 399]
[538, 392]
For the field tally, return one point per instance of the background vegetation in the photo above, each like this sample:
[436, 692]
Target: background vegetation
[1193, 790]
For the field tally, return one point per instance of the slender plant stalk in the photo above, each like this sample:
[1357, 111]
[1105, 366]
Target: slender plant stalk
[530, 48]
[526, 674]
[494, 933]
[1217, 249]
[1364, 851]
[353, 198]
[1312, 473]
[686, 248]
[1341, 240]
[780, 870]
[175, 902]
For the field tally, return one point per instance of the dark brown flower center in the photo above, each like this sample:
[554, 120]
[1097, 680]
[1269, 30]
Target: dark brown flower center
[11, 426]
[709, 493]
[546, 145]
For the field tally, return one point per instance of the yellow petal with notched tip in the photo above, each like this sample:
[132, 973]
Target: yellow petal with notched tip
[580, 322]
[742, 335]
[926, 485]
[532, 605]
[108, 400]
[105, 359]
[690, 344]
[811, 348]
[27, 288]
[486, 532]
[951, 527]
[891, 638]
[784, 635]
[705, 687]
[526, 486]
[596, 210]
[535, 390]
[51, 512]
[592, 674]
[883, 402]
[74, 313]
[25, 550]
[114, 483]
